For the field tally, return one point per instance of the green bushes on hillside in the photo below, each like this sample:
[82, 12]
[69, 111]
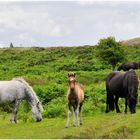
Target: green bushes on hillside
[45, 69]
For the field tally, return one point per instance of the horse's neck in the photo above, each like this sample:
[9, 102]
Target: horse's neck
[73, 92]
[31, 97]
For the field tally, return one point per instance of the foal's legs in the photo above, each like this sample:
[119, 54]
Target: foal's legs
[14, 115]
[116, 104]
[76, 111]
[69, 113]
[73, 119]
[80, 112]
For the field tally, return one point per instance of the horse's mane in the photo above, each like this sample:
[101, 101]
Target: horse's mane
[134, 78]
[30, 91]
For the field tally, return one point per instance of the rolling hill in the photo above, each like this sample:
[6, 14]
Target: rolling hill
[132, 42]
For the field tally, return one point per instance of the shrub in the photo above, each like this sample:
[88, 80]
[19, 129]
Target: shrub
[47, 93]
[55, 108]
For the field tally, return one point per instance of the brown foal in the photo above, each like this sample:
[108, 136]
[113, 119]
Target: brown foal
[75, 97]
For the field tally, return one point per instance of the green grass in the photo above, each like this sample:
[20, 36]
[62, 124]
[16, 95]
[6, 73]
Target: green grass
[99, 125]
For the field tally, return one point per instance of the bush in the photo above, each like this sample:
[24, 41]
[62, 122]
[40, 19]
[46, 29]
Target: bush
[55, 108]
[49, 92]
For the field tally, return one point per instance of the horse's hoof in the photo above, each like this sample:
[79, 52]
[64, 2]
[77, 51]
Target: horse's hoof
[66, 126]
[13, 122]
[81, 123]
[106, 111]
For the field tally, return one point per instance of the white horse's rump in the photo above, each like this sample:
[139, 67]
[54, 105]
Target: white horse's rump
[16, 90]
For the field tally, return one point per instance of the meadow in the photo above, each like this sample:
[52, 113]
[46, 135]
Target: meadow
[45, 69]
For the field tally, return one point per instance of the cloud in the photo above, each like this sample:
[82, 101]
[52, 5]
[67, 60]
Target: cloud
[27, 21]
[88, 2]
[67, 23]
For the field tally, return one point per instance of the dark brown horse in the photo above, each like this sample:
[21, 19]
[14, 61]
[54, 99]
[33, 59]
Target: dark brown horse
[128, 66]
[75, 98]
[123, 85]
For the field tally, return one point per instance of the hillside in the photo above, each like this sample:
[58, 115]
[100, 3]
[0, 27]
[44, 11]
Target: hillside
[45, 69]
[132, 42]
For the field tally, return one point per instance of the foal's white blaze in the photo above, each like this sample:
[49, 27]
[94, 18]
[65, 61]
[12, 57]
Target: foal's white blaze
[72, 82]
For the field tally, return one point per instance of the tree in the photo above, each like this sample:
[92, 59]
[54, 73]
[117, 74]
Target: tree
[110, 52]
[11, 45]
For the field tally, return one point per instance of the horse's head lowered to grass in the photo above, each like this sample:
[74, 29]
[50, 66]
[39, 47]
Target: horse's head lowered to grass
[36, 110]
[14, 91]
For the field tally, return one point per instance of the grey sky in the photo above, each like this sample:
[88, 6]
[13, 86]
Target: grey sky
[67, 23]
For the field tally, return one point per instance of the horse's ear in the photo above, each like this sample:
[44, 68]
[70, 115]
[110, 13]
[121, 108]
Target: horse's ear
[74, 74]
[71, 74]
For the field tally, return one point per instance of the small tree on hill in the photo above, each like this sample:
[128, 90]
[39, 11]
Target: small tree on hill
[11, 45]
[110, 52]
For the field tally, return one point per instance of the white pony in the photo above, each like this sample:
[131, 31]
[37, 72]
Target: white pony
[16, 90]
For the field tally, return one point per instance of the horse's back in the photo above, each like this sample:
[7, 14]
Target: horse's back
[111, 76]
[114, 83]
[128, 66]
[10, 90]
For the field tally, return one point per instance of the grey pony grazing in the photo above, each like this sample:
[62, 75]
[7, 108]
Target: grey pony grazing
[75, 97]
[16, 90]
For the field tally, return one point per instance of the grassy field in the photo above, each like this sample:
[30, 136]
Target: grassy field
[45, 69]
[99, 125]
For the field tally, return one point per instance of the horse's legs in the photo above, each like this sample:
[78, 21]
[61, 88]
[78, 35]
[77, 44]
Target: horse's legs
[73, 119]
[107, 104]
[125, 105]
[14, 115]
[80, 112]
[69, 113]
[76, 111]
[116, 104]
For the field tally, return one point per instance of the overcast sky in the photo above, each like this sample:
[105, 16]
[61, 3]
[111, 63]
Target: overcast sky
[67, 23]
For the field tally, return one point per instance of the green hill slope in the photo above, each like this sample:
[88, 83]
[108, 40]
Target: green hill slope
[46, 70]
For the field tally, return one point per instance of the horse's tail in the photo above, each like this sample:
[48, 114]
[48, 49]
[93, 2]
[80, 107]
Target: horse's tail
[30, 93]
